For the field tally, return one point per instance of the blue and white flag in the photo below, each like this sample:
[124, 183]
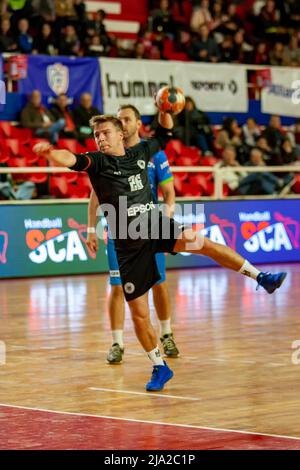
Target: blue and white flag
[55, 75]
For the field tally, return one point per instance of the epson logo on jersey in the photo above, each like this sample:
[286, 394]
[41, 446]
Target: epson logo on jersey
[142, 208]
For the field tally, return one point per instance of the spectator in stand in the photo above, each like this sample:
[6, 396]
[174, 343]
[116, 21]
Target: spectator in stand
[161, 19]
[217, 16]
[251, 132]
[95, 47]
[276, 55]
[193, 127]
[38, 118]
[288, 154]
[82, 115]
[201, 15]
[69, 43]
[241, 49]
[181, 12]
[227, 50]
[274, 134]
[65, 12]
[43, 12]
[268, 20]
[259, 183]
[231, 21]
[139, 51]
[18, 9]
[13, 190]
[261, 55]
[24, 40]
[44, 42]
[294, 136]
[204, 48]
[231, 135]
[291, 53]
[232, 177]
[7, 41]
[262, 144]
[95, 26]
[60, 110]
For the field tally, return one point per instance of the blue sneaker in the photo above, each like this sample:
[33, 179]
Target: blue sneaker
[270, 282]
[160, 375]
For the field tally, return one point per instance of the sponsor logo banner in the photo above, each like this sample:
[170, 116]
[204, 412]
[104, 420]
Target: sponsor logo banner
[213, 87]
[282, 94]
[40, 240]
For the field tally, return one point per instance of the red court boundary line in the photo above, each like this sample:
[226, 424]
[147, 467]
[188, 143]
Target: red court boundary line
[131, 420]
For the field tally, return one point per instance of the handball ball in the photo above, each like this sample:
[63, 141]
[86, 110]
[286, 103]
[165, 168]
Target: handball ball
[170, 99]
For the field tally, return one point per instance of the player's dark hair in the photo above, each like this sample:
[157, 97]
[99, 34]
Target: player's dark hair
[102, 118]
[133, 108]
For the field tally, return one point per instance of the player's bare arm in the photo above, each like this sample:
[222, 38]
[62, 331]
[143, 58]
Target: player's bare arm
[58, 157]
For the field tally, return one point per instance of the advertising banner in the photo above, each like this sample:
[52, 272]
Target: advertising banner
[215, 87]
[55, 75]
[41, 240]
[282, 95]
[135, 81]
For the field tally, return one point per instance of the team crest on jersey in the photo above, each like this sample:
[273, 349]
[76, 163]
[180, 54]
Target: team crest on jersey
[129, 288]
[58, 78]
[141, 164]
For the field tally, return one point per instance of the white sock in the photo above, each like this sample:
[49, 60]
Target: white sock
[165, 327]
[248, 270]
[155, 357]
[117, 336]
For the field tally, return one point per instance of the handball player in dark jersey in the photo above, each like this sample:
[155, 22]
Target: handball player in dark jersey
[119, 178]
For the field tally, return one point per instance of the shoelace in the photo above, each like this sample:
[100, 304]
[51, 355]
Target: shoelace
[154, 372]
[169, 342]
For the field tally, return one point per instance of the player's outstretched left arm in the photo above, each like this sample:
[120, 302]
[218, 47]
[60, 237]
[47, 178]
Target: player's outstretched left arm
[58, 157]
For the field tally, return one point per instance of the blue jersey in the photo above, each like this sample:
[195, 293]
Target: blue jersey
[159, 172]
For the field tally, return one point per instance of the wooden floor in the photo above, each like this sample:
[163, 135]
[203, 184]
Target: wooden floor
[235, 374]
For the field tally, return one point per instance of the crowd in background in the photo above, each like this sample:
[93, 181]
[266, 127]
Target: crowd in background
[258, 32]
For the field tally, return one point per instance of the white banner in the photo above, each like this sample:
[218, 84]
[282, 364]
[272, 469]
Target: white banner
[282, 96]
[135, 81]
[217, 87]
[213, 87]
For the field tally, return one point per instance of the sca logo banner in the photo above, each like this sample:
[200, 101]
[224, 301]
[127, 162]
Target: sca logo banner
[57, 246]
[282, 234]
[220, 231]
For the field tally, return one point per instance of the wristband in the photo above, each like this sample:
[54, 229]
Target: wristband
[91, 230]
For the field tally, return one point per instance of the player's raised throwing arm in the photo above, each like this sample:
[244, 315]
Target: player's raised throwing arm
[165, 120]
[58, 157]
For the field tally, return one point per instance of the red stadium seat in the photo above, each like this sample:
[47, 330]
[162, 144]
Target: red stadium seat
[90, 145]
[58, 186]
[296, 186]
[5, 129]
[38, 178]
[71, 144]
[13, 145]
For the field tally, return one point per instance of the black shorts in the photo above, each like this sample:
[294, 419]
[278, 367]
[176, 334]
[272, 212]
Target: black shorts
[136, 258]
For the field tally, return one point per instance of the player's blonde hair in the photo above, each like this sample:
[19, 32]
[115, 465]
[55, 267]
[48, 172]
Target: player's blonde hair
[102, 118]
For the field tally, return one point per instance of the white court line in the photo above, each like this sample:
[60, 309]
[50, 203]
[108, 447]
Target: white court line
[142, 393]
[189, 426]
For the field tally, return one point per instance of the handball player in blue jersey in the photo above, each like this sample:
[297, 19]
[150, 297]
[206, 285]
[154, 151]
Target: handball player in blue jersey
[159, 175]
